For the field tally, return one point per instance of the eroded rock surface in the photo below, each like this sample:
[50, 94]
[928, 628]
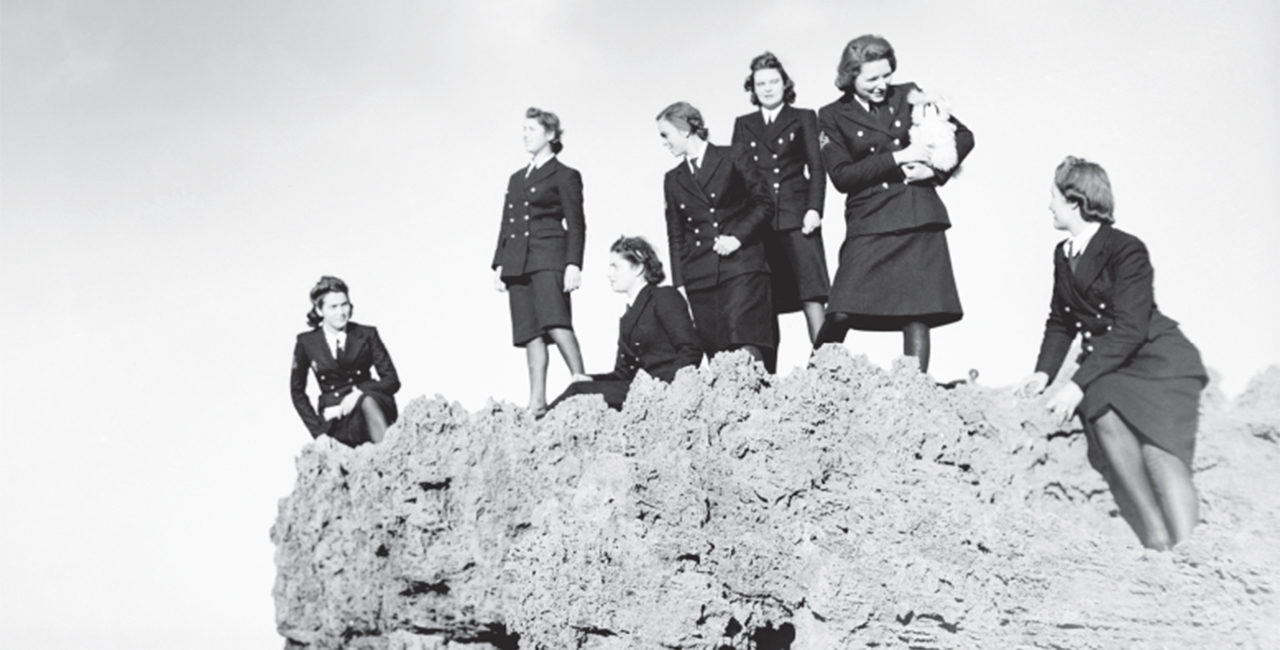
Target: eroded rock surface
[840, 506]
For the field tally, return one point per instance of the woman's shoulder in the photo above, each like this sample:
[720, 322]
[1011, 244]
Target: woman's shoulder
[667, 294]
[360, 330]
[308, 334]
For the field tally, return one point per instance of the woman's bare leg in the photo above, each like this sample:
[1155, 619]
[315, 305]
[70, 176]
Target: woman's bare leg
[1176, 492]
[375, 423]
[814, 314]
[567, 341]
[915, 343]
[1124, 454]
[536, 354]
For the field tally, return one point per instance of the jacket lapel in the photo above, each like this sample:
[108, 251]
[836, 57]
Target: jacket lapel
[632, 317]
[1093, 258]
[685, 177]
[548, 168]
[711, 160]
[854, 112]
[785, 117]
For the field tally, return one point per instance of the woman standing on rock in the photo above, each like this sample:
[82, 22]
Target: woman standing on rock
[718, 209]
[1137, 390]
[655, 334]
[895, 268]
[538, 259]
[782, 141]
[354, 407]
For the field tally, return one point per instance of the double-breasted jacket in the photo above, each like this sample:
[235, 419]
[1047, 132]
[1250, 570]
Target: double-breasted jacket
[727, 197]
[1109, 301]
[543, 227]
[781, 151]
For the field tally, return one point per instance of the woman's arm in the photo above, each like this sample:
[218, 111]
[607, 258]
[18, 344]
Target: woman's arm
[298, 390]
[813, 159]
[1058, 333]
[388, 381]
[673, 315]
[848, 175]
[675, 233]
[574, 217]
[1133, 301]
[760, 204]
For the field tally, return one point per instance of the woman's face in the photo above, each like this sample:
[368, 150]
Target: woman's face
[335, 310]
[673, 138]
[873, 81]
[769, 87]
[1064, 212]
[623, 275]
[535, 137]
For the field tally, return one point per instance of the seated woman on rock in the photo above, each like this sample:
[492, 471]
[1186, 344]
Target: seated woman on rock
[656, 333]
[1137, 390]
[353, 408]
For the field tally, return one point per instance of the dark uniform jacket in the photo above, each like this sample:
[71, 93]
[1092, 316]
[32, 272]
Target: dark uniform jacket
[780, 151]
[1110, 301]
[655, 334]
[728, 197]
[543, 227]
[857, 151]
[362, 351]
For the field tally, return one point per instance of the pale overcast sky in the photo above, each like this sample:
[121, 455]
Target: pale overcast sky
[174, 176]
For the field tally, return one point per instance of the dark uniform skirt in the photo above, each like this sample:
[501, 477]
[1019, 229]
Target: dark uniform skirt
[352, 430]
[614, 391]
[1162, 411]
[888, 280]
[538, 303]
[735, 312]
[798, 269]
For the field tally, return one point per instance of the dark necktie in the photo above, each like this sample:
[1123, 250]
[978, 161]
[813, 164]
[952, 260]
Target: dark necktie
[1073, 260]
[338, 346]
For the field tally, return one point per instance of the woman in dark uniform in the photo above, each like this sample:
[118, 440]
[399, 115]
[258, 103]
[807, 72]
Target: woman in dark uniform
[781, 141]
[1137, 389]
[895, 268]
[655, 334]
[538, 259]
[354, 407]
[718, 209]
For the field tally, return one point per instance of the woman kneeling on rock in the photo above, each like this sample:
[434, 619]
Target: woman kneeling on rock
[655, 334]
[354, 407]
[1137, 390]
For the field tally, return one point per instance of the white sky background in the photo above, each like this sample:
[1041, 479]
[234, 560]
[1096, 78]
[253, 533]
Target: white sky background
[175, 176]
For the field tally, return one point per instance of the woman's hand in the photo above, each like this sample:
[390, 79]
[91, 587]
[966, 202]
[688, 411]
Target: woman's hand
[916, 172]
[812, 221]
[572, 278]
[332, 412]
[349, 402]
[1064, 402]
[914, 152]
[1033, 385]
[498, 284]
[726, 245]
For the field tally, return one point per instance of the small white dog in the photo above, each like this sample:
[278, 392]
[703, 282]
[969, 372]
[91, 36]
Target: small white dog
[931, 125]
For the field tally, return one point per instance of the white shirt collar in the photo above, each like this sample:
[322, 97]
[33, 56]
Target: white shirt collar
[534, 164]
[771, 115]
[697, 150]
[865, 104]
[334, 338]
[1077, 243]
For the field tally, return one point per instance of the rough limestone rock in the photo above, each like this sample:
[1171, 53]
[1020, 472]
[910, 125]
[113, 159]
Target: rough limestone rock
[840, 506]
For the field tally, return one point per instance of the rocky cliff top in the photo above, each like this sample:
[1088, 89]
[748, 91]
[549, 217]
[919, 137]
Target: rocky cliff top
[840, 506]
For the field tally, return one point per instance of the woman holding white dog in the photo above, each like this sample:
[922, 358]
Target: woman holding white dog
[895, 269]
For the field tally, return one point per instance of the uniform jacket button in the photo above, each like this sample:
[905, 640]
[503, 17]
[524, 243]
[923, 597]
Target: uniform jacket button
[776, 170]
[513, 219]
[756, 158]
[681, 206]
[775, 186]
[715, 224]
[753, 143]
[897, 122]
[884, 185]
[873, 149]
[713, 210]
[533, 189]
[1102, 305]
[526, 233]
[859, 134]
[713, 195]
[697, 231]
[1066, 308]
[697, 243]
[897, 141]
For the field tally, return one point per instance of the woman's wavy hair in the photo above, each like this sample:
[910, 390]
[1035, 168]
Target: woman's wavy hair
[685, 116]
[639, 251]
[551, 123]
[860, 51]
[768, 61]
[1086, 185]
[325, 286]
